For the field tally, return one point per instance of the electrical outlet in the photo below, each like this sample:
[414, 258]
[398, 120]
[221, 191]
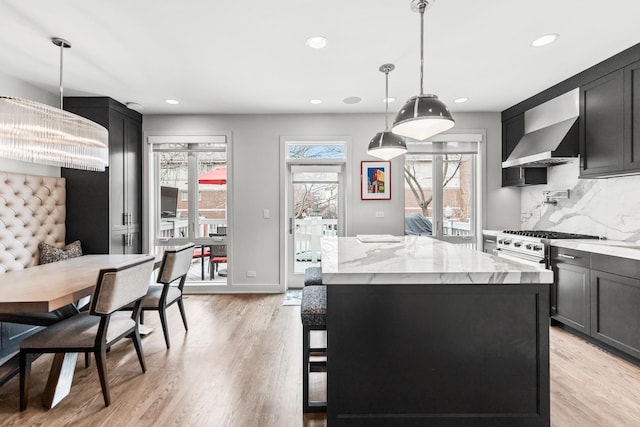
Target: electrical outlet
[251, 273]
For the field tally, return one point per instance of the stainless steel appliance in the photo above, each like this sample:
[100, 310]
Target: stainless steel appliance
[531, 246]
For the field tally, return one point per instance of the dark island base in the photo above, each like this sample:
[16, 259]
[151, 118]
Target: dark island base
[438, 355]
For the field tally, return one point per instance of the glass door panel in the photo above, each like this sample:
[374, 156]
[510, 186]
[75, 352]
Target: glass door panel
[192, 204]
[458, 201]
[316, 203]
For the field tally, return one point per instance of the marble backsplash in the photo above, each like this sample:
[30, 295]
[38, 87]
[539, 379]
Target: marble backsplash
[604, 207]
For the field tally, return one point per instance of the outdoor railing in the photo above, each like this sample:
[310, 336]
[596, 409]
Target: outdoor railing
[307, 236]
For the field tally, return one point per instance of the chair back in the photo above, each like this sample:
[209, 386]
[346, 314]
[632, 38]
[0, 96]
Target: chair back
[175, 263]
[218, 250]
[121, 285]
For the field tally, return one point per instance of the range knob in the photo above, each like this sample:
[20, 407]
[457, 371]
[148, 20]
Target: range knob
[537, 248]
[517, 244]
[529, 246]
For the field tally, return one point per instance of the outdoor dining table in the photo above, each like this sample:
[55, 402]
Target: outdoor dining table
[47, 287]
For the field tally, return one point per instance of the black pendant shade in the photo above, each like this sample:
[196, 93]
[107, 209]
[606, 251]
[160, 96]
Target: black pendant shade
[423, 116]
[387, 145]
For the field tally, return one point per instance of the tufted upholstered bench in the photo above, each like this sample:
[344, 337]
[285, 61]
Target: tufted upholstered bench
[313, 312]
[313, 276]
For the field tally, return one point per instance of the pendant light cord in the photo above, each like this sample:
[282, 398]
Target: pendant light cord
[386, 100]
[422, 7]
[61, 68]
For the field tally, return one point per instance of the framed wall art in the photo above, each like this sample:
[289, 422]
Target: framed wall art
[376, 180]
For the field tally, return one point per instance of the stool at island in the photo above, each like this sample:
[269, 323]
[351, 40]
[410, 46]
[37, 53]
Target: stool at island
[313, 276]
[313, 312]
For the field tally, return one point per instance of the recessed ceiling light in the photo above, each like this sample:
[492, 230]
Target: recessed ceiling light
[316, 42]
[172, 101]
[352, 100]
[134, 106]
[389, 100]
[544, 40]
[315, 101]
[460, 100]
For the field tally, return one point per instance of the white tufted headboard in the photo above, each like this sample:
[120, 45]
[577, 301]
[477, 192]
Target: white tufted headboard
[32, 210]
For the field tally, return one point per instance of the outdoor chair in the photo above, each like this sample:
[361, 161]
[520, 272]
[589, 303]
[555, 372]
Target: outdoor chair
[97, 329]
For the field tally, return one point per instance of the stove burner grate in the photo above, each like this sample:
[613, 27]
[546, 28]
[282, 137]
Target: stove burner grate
[544, 234]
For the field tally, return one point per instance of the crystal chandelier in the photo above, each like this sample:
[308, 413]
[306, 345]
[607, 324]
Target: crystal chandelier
[38, 133]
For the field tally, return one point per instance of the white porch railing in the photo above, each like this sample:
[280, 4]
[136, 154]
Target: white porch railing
[307, 236]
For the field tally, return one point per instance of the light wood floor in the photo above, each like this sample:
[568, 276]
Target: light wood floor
[240, 365]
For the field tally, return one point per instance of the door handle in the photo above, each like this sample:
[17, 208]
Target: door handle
[290, 225]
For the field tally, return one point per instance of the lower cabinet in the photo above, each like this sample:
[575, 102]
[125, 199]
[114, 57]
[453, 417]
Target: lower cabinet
[598, 295]
[571, 296]
[615, 313]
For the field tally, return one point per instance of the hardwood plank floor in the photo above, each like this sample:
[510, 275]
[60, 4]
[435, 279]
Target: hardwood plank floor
[240, 365]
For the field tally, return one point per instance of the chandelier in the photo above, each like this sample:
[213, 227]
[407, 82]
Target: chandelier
[38, 133]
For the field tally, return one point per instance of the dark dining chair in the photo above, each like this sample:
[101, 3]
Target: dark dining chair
[97, 329]
[218, 256]
[174, 268]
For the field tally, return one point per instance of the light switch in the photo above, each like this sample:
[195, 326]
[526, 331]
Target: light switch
[266, 214]
[379, 214]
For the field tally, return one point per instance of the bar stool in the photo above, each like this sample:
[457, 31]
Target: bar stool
[313, 312]
[313, 276]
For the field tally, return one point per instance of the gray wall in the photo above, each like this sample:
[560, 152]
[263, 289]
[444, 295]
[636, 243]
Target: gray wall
[256, 168]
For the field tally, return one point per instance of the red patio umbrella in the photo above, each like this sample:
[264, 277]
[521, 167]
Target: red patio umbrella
[217, 176]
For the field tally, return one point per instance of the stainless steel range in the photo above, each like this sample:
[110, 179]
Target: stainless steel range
[531, 246]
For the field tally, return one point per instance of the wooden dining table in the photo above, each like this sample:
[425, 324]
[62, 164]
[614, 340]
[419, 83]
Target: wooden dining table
[47, 287]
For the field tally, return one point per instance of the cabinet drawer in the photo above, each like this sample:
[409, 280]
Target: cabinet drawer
[570, 256]
[616, 265]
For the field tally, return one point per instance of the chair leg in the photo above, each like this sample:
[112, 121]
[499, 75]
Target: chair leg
[137, 343]
[25, 373]
[165, 327]
[101, 363]
[183, 313]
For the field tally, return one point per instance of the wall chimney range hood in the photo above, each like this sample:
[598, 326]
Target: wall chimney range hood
[551, 134]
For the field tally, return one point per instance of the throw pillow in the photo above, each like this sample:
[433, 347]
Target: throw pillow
[50, 253]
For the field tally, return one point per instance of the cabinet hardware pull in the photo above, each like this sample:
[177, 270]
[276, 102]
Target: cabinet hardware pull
[566, 256]
[489, 241]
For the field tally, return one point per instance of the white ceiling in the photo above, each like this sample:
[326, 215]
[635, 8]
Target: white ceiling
[249, 56]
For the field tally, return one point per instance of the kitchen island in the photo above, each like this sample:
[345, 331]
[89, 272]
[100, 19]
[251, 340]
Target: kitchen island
[424, 332]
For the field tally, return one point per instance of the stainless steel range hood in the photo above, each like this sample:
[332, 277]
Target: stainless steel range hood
[551, 134]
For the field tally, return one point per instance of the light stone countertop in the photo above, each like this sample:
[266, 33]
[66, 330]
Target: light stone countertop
[491, 232]
[419, 260]
[616, 248]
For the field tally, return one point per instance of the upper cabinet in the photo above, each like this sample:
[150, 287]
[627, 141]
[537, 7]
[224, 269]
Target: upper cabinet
[104, 209]
[602, 125]
[512, 132]
[610, 124]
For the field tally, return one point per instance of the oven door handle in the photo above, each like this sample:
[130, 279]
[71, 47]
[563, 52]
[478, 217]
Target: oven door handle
[521, 258]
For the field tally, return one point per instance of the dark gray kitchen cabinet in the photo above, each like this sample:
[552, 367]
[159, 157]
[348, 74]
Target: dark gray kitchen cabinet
[512, 132]
[104, 208]
[610, 124]
[615, 299]
[571, 291]
[598, 295]
[632, 117]
[602, 125]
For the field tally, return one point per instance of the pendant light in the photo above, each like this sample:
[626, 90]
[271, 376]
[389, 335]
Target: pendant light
[38, 133]
[387, 145]
[423, 115]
